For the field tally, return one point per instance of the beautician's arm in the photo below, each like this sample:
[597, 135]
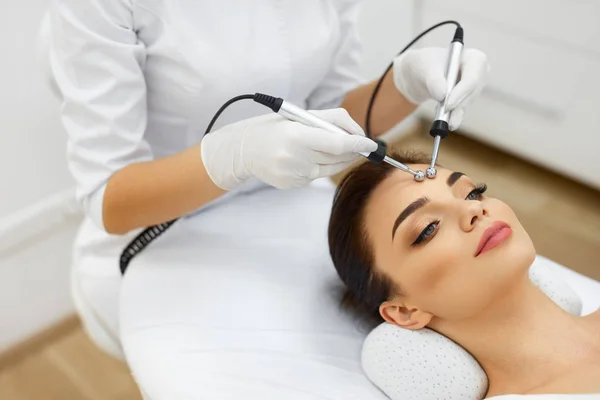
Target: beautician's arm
[389, 108]
[151, 192]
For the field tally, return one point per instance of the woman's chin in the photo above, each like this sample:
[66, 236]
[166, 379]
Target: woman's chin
[510, 262]
[519, 257]
[518, 250]
[526, 250]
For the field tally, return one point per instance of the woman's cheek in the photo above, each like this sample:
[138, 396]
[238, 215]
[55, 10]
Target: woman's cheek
[439, 263]
[499, 210]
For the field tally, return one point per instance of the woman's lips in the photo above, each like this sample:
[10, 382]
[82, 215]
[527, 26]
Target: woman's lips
[493, 236]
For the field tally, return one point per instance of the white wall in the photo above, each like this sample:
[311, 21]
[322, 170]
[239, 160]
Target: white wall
[32, 143]
[36, 221]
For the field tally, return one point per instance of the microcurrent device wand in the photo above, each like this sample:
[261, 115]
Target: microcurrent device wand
[440, 126]
[297, 114]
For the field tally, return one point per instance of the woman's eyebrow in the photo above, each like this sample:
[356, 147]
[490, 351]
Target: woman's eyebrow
[412, 207]
[453, 178]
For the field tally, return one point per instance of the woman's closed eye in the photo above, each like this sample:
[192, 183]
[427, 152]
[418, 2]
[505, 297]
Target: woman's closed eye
[430, 230]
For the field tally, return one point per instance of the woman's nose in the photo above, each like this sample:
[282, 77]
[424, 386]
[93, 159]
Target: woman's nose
[472, 212]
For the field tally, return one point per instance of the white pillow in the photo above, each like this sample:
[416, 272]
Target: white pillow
[408, 364]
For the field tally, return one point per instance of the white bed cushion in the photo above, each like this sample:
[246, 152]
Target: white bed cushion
[408, 364]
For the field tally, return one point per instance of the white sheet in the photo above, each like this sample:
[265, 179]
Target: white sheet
[200, 321]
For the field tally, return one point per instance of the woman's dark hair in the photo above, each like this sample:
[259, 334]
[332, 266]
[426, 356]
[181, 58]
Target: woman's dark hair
[349, 244]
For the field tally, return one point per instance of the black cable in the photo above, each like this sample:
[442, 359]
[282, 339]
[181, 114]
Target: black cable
[378, 86]
[224, 106]
[141, 241]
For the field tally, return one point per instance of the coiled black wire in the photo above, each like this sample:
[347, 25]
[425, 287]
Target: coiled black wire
[368, 131]
[142, 240]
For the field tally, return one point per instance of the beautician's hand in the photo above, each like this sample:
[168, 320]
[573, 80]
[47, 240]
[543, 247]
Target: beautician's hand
[282, 153]
[419, 76]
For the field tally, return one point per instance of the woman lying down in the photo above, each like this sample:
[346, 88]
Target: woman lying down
[441, 254]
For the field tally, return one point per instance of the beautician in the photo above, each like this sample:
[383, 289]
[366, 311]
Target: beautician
[140, 81]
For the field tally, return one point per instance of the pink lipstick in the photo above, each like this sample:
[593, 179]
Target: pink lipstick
[497, 233]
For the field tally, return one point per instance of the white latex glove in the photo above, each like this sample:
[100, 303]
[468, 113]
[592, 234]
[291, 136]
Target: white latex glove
[282, 153]
[419, 76]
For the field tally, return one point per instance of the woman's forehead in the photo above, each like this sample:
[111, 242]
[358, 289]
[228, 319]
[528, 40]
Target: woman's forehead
[399, 189]
[399, 182]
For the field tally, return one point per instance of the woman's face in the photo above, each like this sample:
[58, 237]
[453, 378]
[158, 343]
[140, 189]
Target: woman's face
[428, 237]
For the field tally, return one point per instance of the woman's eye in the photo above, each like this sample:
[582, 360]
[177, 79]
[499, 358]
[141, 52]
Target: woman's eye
[477, 193]
[427, 233]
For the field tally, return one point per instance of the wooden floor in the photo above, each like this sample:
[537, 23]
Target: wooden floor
[562, 217]
[68, 368]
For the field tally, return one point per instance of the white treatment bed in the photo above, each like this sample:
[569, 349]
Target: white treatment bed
[200, 321]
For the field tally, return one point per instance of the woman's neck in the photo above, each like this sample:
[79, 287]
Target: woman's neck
[522, 340]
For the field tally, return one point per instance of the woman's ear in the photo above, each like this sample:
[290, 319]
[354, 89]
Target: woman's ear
[404, 316]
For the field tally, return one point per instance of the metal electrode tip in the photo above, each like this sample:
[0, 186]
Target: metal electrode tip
[431, 172]
[419, 176]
